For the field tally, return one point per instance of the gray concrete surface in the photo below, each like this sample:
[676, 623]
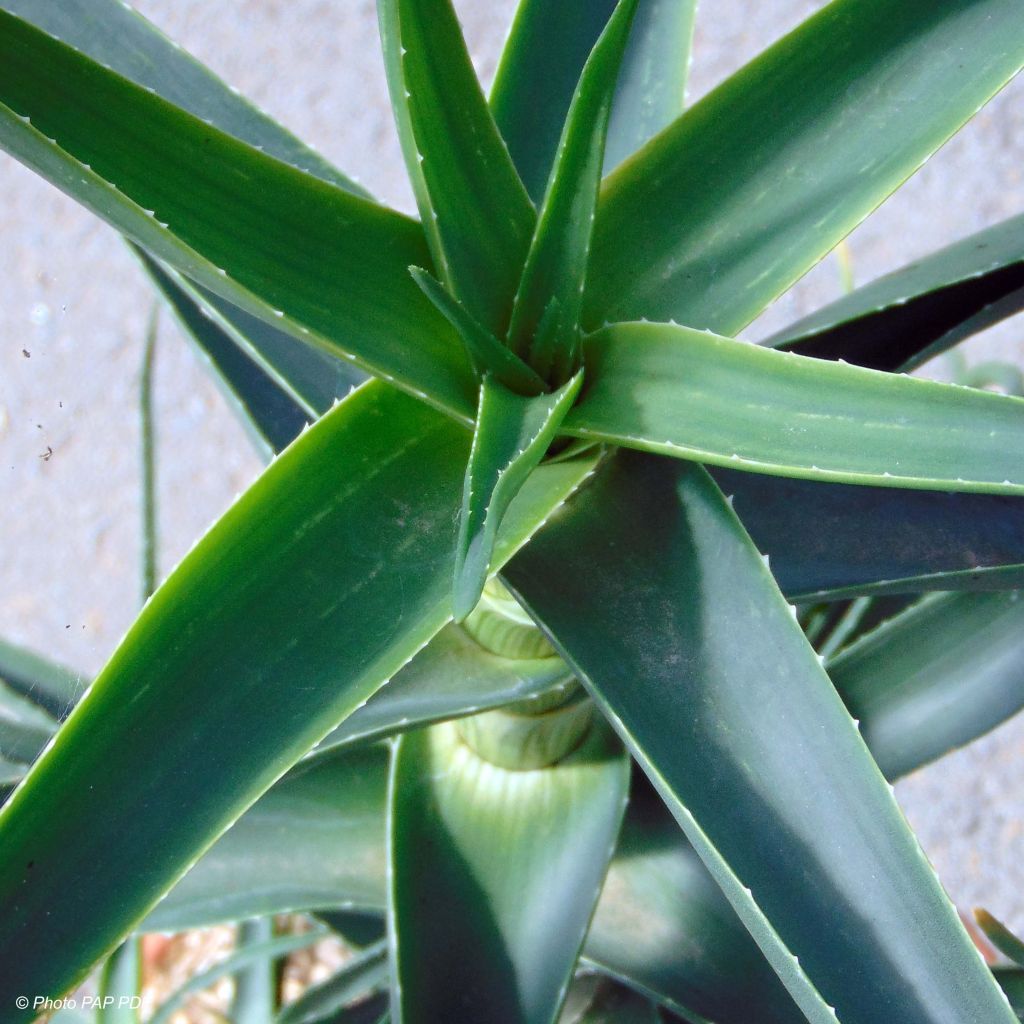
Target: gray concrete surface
[71, 296]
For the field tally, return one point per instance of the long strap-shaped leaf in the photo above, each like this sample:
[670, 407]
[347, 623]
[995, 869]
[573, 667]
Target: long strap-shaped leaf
[687, 393]
[536, 79]
[276, 658]
[827, 541]
[652, 81]
[477, 214]
[328, 267]
[46, 683]
[117, 36]
[926, 307]
[494, 875]
[549, 301]
[935, 677]
[760, 179]
[686, 642]
[511, 436]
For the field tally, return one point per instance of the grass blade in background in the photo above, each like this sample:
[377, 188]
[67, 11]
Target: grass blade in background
[652, 80]
[750, 746]
[687, 393]
[495, 873]
[755, 183]
[477, 215]
[365, 972]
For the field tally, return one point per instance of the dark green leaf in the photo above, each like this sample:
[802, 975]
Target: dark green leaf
[652, 81]
[311, 591]
[760, 179]
[357, 978]
[690, 394]
[512, 434]
[682, 636]
[536, 79]
[51, 686]
[903, 319]
[556, 267]
[313, 260]
[827, 540]
[25, 727]
[494, 875]
[936, 677]
[476, 212]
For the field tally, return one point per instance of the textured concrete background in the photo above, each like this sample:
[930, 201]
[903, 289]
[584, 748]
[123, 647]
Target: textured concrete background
[72, 297]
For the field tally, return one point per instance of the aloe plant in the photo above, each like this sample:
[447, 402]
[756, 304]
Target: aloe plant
[495, 668]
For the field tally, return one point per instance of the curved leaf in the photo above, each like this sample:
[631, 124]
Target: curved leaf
[51, 686]
[328, 267]
[682, 636]
[755, 183]
[477, 214]
[291, 619]
[669, 389]
[652, 80]
[942, 673]
[903, 319]
[360, 976]
[452, 676]
[494, 875]
[114, 34]
[827, 541]
[548, 45]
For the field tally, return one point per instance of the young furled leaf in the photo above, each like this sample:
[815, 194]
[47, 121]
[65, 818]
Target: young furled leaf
[475, 210]
[553, 281]
[512, 433]
[487, 353]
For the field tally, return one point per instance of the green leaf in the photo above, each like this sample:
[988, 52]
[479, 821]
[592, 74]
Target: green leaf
[327, 267]
[556, 267]
[754, 184]
[827, 541]
[942, 673]
[47, 684]
[477, 214]
[11, 773]
[604, 1002]
[452, 676]
[1011, 981]
[907, 317]
[664, 927]
[360, 976]
[690, 394]
[536, 79]
[512, 434]
[1001, 937]
[487, 353]
[314, 839]
[255, 997]
[652, 80]
[494, 875]
[291, 617]
[112, 33]
[241, 959]
[683, 638]
[121, 981]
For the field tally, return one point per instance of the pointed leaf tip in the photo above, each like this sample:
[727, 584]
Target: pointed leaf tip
[511, 436]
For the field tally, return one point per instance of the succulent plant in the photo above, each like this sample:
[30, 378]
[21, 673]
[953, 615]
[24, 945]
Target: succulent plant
[564, 665]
